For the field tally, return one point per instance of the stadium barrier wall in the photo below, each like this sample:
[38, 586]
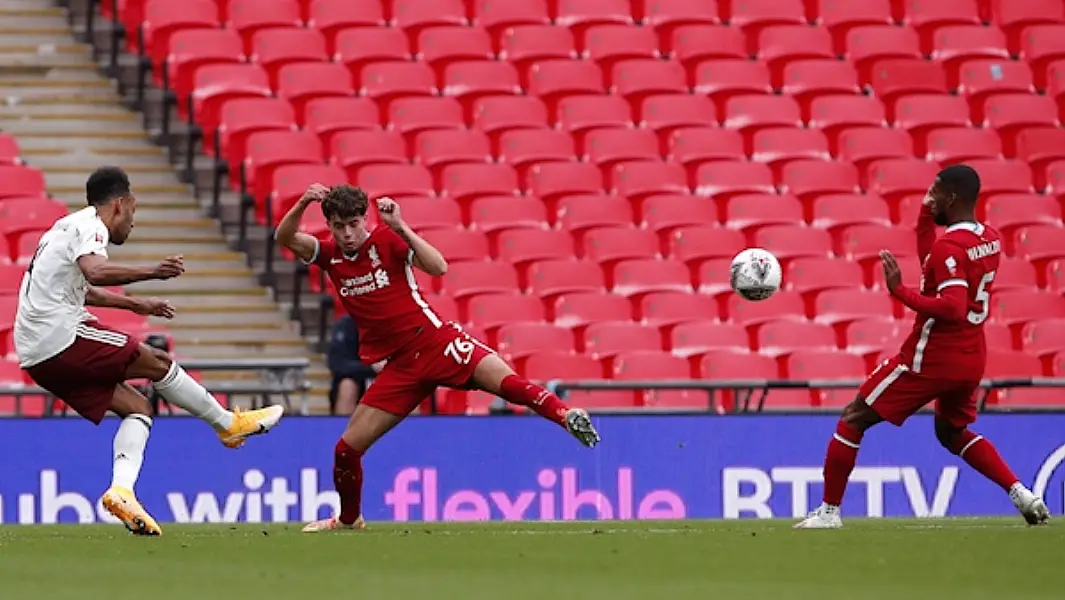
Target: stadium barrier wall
[524, 468]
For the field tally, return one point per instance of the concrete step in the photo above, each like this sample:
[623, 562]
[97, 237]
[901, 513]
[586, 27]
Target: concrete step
[72, 113]
[237, 337]
[177, 234]
[161, 194]
[145, 246]
[241, 319]
[68, 47]
[134, 252]
[257, 300]
[36, 36]
[59, 180]
[76, 198]
[198, 285]
[111, 126]
[131, 142]
[85, 160]
[222, 352]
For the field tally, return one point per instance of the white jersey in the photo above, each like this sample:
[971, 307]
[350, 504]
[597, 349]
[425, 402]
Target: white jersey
[51, 300]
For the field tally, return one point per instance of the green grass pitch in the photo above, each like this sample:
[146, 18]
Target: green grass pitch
[970, 559]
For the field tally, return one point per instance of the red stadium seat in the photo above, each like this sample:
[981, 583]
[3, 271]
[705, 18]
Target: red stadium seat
[864, 242]
[698, 337]
[457, 245]
[665, 114]
[289, 182]
[1009, 363]
[1040, 242]
[839, 210]
[1014, 307]
[525, 45]
[783, 305]
[775, 338]
[162, 20]
[21, 181]
[491, 311]
[387, 81]
[496, 115]
[832, 114]
[663, 214]
[1018, 18]
[497, 17]
[580, 15]
[470, 80]
[748, 114]
[1038, 147]
[552, 80]
[955, 44]
[555, 364]
[793, 241]
[701, 242]
[1054, 182]
[522, 246]
[893, 78]
[748, 212]
[927, 17]
[809, 275]
[550, 181]
[827, 365]
[550, 278]
[9, 150]
[440, 148]
[607, 339]
[494, 214]
[911, 275]
[640, 179]
[727, 78]
[440, 47]
[1055, 87]
[894, 178]
[780, 145]
[1016, 273]
[411, 116]
[1003, 176]
[467, 182]
[713, 275]
[242, 118]
[580, 115]
[439, 213]
[805, 80]
[466, 279]
[753, 16]
[326, 117]
[842, 18]
[22, 215]
[606, 45]
[357, 48]
[841, 306]
[693, 45]
[577, 214]
[981, 79]
[395, 180]
[645, 276]
[584, 308]
[302, 83]
[726, 179]
[269, 150]
[1041, 45]
[921, 113]
[808, 179]
[607, 245]
[414, 16]
[637, 79]
[669, 17]
[248, 17]
[1043, 338]
[659, 365]
[726, 365]
[782, 44]
[275, 48]
[335, 17]
[666, 309]
[525, 148]
[608, 147]
[1009, 113]
[872, 336]
[694, 146]
[1055, 275]
[960, 144]
[216, 84]
[517, 340]
[867, 46]
[864, 145]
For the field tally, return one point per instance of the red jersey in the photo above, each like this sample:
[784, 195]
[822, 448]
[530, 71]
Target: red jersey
[967, 255]
[377, 288]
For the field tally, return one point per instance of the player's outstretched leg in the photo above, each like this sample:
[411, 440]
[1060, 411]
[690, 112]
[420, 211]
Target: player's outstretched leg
[175, 385]
[129, 444]
[366, 426]
[495, 376]
[981, 455]
[839, 463]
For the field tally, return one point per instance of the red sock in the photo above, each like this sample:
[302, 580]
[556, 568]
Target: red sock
[839, 461]
[982, 456]
[347, 477]
[520, 391]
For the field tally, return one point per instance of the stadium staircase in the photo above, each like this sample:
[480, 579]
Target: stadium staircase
[68, 118]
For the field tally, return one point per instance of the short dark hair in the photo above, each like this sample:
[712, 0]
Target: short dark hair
[106, 184]
[344, 202]
[962, 181]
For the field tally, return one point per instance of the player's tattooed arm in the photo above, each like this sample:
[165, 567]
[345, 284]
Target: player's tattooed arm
[99, 271]
[426, 257]
[288, 233]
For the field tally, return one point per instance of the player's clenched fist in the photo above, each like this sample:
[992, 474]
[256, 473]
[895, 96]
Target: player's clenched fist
[154, 307]
[171, 267]
[316, 193]
[389, 211]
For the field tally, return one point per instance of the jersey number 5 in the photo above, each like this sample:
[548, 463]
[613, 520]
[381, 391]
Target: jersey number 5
[984, 298]
[460, 349]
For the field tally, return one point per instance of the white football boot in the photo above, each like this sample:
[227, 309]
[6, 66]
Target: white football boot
[1032, 507]
[825, 517]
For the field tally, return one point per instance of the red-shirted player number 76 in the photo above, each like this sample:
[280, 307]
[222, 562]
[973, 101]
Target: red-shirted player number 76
[983, 298]
[460, 349]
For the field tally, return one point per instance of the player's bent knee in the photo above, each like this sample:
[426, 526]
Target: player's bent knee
[151, 363]
[860, 415]
[948, 434]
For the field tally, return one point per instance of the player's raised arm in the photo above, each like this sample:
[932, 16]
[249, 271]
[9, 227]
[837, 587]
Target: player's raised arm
[426, 257]
[948, 306]
[288, 233]
[925, 228]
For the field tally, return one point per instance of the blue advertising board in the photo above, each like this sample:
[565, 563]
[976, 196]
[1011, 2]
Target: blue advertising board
[523, 468]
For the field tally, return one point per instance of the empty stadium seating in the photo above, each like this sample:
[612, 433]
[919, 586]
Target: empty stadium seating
[590, 167]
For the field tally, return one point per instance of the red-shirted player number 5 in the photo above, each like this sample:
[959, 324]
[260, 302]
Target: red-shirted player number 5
[984, 298]
[460, 349]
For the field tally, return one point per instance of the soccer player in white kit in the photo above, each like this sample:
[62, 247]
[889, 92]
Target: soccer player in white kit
[86, 364]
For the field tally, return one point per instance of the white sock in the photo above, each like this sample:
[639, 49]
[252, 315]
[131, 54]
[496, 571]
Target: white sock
[130, 440]
[181, 390]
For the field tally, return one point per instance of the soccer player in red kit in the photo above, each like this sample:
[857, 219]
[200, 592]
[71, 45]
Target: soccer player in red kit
[943, 359]
[373, 272]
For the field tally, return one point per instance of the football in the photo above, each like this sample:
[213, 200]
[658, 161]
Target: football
[755, 274]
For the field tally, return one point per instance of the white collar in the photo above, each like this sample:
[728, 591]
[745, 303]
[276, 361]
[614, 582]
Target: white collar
[970, 226]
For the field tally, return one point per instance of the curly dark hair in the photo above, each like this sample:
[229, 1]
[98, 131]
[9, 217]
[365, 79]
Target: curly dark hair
[345, 202]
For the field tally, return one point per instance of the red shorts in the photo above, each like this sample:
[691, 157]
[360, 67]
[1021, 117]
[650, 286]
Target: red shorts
[439, 357]
[86, 373]
[895, 393]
